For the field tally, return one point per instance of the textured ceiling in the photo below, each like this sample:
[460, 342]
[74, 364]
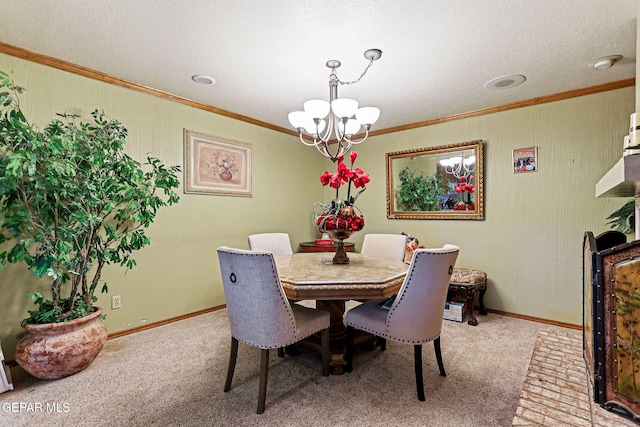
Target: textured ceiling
[268, 57]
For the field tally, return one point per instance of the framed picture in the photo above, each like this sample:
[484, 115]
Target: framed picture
[525, 160]
[215, 165]
[437, 182]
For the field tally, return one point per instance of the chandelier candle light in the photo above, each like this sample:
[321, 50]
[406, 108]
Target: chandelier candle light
[345, 118]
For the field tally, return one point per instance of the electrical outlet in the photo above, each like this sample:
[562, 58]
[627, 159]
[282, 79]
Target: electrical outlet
[116, 302]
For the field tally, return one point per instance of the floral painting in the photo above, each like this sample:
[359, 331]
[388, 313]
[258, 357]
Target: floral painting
[215, 165]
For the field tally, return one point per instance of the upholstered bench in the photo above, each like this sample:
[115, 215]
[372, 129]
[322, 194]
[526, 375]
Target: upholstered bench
[469, 281]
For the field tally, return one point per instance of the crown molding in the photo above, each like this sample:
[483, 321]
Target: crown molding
[97, 75]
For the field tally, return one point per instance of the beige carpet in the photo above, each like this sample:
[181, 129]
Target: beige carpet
[173, 375]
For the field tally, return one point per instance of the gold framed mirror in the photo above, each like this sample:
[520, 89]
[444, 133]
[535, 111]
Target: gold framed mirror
[442, 182]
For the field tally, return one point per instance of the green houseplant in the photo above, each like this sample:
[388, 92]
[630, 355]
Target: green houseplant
[420, 192]
[71, 202]
[623, 219]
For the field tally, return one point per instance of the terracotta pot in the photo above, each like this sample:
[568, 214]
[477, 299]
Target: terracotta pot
[56, 350]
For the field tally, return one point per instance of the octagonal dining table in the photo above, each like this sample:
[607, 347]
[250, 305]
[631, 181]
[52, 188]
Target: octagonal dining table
[313, 276]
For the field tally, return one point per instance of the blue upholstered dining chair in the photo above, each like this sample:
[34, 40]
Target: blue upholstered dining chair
[415, 317]
[391, 246]
[276, 243]
[260, 314]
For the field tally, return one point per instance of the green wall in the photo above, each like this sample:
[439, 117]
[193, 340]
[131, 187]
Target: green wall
[178, 273]
[529, 244]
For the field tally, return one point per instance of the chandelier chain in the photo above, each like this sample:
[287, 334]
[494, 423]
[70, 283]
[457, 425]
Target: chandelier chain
[354, 81]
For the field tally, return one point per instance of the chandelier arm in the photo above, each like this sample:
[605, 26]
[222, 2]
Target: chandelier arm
[342, 148]
[339, 134]
[458, 170]
[366, 135]
[308, 144]
[453, 170]
[342, 141]
[323, 149]
[326, 136]
[339, 151]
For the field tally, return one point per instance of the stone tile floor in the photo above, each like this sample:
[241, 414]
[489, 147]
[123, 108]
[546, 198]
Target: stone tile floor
[556, 389]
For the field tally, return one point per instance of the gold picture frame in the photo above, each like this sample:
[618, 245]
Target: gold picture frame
[216, 166]
[428, 183]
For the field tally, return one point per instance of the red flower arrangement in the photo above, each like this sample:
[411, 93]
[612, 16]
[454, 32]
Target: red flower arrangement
[464, 187]
[341, 214]
[342, 221]
[346, 175]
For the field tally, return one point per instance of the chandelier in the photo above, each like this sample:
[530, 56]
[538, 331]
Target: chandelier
[344, 117]
[459, 166]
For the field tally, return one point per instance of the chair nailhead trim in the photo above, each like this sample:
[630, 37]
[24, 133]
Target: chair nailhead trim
[408, 283]
[296, 331]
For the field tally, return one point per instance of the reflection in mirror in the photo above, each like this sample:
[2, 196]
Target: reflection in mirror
[443, 182]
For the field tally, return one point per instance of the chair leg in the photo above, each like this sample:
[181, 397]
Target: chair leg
[348, 354]
[382, 342]
[233, 355]
[436, 346]
[417, 356]
[281, 352]
[264, 370]
[326, 356]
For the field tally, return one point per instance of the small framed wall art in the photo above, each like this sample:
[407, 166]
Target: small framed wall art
[215, 165]
[525, 160]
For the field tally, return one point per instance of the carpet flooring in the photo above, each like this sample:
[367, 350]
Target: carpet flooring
[173, 375]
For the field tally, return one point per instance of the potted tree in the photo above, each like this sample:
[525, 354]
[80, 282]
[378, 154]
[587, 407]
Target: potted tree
[71, 202]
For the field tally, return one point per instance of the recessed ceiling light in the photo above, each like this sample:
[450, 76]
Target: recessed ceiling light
[505, 82]
[203, 80]
[605, 62]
